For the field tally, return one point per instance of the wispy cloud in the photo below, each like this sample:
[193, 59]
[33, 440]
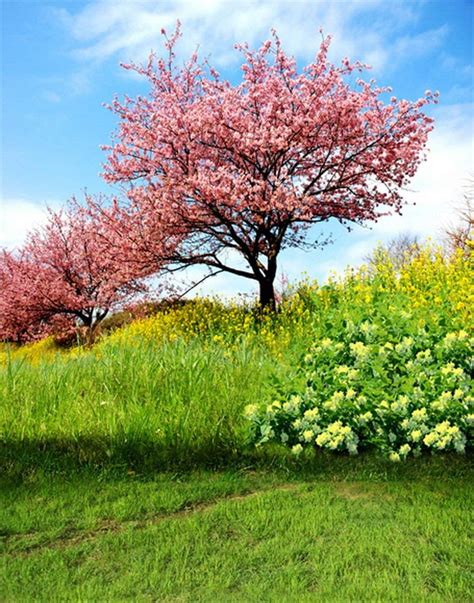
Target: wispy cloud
[105, 29]
[18, 217]
[438, 184]
[422, 43]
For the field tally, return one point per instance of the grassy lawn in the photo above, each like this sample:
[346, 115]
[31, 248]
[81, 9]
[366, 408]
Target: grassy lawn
[334, 529]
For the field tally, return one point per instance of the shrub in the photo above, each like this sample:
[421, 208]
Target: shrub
[391, 365]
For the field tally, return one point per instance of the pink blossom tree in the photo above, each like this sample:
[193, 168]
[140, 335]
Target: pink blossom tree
[245, 170]
[23, 315]
[19, 320]
[65, 274]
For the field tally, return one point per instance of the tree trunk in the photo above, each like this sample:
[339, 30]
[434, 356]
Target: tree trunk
[91, 322]
[267, 295]
[91, 333]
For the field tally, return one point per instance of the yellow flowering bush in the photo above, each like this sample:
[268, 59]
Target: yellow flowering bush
[395, 400]
[391, 365]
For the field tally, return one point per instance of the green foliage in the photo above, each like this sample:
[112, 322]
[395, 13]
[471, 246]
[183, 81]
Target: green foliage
[168, 404]
[390, 365]
[170, 389]
[368, 388]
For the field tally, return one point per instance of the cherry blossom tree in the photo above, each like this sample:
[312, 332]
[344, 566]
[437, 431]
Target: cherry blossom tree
[64, 275]
[243, 171]
[19, 320]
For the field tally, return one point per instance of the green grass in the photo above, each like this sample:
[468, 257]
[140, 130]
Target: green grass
[335, 530]
[155, 405]
[126, 471]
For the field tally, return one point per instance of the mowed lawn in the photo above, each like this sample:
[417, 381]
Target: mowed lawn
[331, 530]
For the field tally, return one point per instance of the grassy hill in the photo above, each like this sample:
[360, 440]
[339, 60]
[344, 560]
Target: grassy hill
[130, 471]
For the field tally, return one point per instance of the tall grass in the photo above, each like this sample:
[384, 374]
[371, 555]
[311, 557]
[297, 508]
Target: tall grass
[169, 403]
[170, 390]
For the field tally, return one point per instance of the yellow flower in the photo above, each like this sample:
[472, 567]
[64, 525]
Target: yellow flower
[442, 443]
[334, 427]
[405, 449]
[400, 405]
[450, 369]
[430, 438]
[272, 408]
[311, 414]
[442, 427]
[359, 349]
[450, 338]
[419, 415]
[323, 438]
[250, 410]
[297, 449]
[424, 355]
[366, 417]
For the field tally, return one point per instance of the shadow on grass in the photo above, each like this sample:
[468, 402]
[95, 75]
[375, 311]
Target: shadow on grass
[147, 457]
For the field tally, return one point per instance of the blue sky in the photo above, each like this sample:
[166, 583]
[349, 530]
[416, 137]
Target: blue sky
[60, 63]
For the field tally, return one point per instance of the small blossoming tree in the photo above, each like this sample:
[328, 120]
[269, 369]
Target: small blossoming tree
[64, 275]
[242, 171]
[21, 318]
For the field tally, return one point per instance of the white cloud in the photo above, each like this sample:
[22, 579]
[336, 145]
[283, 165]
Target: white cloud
[362, 29]
[18, 217]
[422, 43]
[437, 186]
